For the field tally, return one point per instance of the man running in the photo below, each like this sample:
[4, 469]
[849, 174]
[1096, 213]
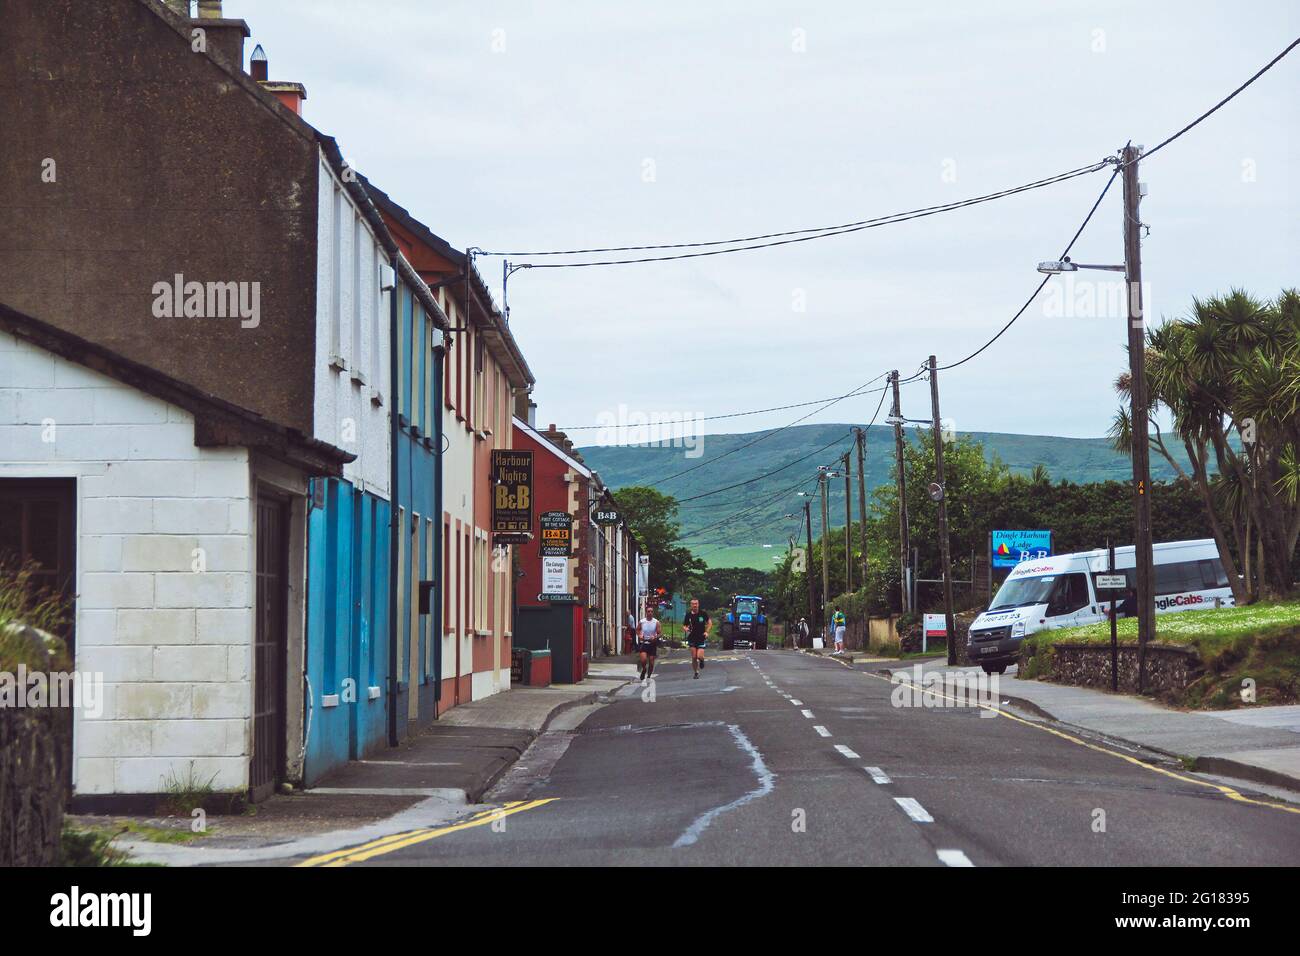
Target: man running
[697, 626]
[648, 643]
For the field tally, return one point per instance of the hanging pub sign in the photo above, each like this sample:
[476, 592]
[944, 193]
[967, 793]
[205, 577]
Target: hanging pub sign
[512, 491]
[605, 516]
[557, 534]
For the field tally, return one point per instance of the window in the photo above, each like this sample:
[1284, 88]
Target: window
[336, 274]
[358, 231]
[469, 577]
[480, 585]
[38, 520]
[1071, 594]
[1185, 576]
[379, 315]
[446, 573]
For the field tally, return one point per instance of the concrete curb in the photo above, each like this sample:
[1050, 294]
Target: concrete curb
[1220, 765]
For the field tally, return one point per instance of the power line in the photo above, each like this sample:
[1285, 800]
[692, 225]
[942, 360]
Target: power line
[799, 235]
[1223, 102]
[776, 431]
[774, 471]
[1047, 278]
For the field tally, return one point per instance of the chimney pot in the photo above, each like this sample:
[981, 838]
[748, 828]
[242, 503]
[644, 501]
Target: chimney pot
[209, 9]
[257, 65]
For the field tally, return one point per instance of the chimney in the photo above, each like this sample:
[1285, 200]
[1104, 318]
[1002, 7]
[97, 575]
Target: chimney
[290, 94]
[257, 64]
[532, 414]
[225, 35]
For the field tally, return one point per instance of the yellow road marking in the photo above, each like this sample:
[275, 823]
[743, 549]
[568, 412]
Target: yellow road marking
[1226, 791]
[398, 841]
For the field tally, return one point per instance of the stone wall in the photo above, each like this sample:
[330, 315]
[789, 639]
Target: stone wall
[1169, 669]
[35, 748]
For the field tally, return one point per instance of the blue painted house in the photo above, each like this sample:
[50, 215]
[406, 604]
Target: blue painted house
[417, 442]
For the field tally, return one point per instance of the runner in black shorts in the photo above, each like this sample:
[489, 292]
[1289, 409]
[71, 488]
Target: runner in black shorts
[697, 625]
[647, 642]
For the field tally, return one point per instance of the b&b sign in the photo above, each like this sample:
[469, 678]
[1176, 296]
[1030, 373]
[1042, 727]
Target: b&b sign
[1012, 547]
[512, 498]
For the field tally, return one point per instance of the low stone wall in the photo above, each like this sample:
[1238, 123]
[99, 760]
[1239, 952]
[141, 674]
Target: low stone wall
[1169, 669]
[35, 747]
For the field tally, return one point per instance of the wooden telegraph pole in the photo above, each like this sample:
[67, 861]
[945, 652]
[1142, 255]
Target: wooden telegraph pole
[862, 498]
[904, 545]
[1143, 555]
[807, 567]
[848, 529]
[941, 496]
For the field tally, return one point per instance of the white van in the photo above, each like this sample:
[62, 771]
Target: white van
[1061, 591]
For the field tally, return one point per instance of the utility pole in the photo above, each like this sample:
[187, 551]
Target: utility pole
[848, 529]
[904, 546]
[942, 497]
[826, 550]
[807, 566]
[1143, 559]
[862, 499]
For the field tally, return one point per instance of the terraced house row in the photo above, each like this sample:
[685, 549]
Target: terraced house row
[249, 407]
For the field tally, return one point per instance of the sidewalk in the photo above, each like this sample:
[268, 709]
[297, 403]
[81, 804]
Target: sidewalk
[1261, 744]
[428, 780]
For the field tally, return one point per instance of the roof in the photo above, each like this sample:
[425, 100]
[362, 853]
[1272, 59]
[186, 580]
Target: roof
[328, 145]
[497, 330]
[216, 421]
[559, 453]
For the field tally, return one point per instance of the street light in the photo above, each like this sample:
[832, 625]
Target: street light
[1053, 267]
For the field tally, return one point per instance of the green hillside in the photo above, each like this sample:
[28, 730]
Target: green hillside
[739, 542]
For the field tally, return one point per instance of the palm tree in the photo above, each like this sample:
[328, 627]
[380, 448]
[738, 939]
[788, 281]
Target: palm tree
[1230, 375]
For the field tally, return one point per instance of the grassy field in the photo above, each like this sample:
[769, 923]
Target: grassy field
[1260, 641]
[745, 556]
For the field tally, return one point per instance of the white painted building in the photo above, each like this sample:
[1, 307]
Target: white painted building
[161, 494]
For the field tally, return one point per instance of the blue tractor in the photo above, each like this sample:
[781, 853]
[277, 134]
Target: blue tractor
[745, 624]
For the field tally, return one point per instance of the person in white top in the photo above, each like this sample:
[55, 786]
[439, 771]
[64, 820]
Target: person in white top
[648, 642]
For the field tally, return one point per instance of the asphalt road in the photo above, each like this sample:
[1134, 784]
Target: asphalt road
[781, 758]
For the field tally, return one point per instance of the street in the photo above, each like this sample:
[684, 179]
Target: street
[780, 758]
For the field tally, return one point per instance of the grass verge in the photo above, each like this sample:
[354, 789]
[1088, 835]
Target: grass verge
[1259, 642]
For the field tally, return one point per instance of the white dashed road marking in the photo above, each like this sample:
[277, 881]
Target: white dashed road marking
[822, 730]
[806, 713]
[914, 809]
[847, 752]
[877, 774]
[954, 858]
[797, 703]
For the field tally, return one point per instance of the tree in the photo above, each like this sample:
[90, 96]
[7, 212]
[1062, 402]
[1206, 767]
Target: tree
[652, 516]
[1229, 374]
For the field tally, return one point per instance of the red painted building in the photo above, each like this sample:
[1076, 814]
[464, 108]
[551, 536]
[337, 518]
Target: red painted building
[555, 622]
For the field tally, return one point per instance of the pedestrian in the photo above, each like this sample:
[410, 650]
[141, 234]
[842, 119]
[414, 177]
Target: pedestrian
[840, 625]
[801, 633]
[648, 647]
[697, 626]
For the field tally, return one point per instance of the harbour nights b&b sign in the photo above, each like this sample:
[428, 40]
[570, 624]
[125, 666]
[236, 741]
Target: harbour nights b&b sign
[512, 491]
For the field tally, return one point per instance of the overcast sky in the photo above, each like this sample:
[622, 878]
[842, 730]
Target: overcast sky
[523, 126]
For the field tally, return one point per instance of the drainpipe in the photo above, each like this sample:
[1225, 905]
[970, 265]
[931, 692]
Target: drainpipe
[394, 435]
[439, 559]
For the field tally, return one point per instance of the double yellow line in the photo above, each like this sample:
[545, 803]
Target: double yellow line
[399, 841]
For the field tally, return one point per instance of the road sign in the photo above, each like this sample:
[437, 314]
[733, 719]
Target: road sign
[1012, 547]
[1111, 582]
[933, 625]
